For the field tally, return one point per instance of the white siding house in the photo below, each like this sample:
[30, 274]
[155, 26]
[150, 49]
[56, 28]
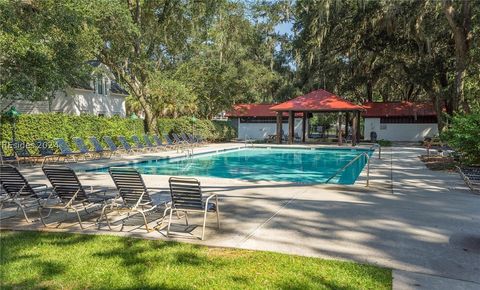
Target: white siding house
[258, 122]
[101, 96]
[400, 121]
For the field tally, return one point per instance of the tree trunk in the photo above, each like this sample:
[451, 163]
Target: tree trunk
[462, 35]
[369, 91]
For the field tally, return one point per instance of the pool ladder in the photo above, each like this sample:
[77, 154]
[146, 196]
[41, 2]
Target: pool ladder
[350, 163]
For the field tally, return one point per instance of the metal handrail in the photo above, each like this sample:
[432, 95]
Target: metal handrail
[350, 163]
[379, 149]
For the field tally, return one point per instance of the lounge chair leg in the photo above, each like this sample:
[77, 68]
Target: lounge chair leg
[145, 221]
[104, 214]
[79, 219]
[19, 206]
[204, 222]
[186, 218]
[169, 222]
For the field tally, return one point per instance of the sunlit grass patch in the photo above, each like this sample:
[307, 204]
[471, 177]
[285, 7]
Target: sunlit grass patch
[53, 260]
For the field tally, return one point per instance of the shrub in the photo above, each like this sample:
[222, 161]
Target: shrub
[31, 127]
[210, 130]
[463, 135]
[384, 143]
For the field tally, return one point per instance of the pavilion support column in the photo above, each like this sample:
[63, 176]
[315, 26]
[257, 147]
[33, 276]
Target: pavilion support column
[347, 121]
[354, 129]
[304, 126]
[291, 127]
[278, 137]
[339, 121]
[358, 126]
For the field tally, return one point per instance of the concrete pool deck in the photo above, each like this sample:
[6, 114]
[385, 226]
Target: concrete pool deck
[423, 224]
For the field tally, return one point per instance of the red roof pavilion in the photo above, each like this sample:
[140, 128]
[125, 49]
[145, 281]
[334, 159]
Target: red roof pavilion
[318, 101]
[254, 110]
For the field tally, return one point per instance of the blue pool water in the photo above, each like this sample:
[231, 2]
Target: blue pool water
[291, 165]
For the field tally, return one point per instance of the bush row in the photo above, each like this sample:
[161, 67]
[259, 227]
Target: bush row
[214, 131]
[31, 127]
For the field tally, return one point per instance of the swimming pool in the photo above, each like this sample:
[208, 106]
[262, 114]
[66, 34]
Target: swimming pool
[271, 164]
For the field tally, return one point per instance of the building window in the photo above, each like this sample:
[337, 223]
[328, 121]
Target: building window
[100, 85]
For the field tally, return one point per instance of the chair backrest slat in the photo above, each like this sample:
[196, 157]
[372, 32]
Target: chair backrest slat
[43, 148]
[110, 143]
[124, 143]
[63, 146]
[137, 142]
[130, 185]
[186, 193]
[157, 140]
[65, 182]
[20, 149]
[147, 141]
[12, 181]
[96, 144]
[167, 138]
[82, 147]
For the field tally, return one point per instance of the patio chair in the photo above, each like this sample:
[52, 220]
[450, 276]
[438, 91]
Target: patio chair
[82, 147]
[111, 145]
[45, 151]
[7, 158]
[159, 142]
[186, 194]
[22, 153]
[177, 139]
[170, 141]
[149, 144]
[135, 196]
[19, 191]
[188, 140]
[69, 194]
[125, 145]
[471, 176]
[138, 144]
[65, 150]
[98, 148]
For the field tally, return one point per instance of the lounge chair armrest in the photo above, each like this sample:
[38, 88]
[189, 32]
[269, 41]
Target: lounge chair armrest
[210, 197]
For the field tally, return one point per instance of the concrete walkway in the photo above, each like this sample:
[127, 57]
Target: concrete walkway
[423, 224]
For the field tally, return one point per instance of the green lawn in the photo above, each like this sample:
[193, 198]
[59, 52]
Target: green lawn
[53, 260]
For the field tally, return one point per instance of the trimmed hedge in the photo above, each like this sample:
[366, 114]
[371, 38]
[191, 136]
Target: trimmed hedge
[214, 131]
[31, 127]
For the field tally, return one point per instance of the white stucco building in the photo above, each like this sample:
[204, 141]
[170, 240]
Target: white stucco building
[101, 96]
[258, 122]
[400, 121]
